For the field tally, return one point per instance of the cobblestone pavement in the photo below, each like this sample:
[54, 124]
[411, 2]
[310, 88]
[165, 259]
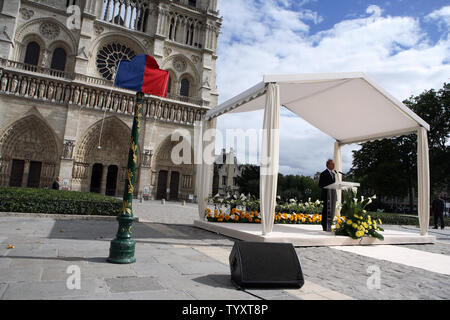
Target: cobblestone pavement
[178, 261]
[348, 273]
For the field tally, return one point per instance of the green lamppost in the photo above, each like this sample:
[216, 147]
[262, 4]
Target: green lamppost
[122, 247]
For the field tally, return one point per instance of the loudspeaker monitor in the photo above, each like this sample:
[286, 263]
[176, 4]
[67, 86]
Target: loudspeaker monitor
[264, 264]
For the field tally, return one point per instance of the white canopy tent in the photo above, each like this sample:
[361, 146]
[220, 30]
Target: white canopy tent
[349, 107]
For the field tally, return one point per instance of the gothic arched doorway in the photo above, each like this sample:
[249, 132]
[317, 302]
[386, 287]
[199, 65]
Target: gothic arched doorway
[28, 154]
[96, 178]
[111, 180]
[174, 185]
[174, 181]
[111, 153]
[161, 192]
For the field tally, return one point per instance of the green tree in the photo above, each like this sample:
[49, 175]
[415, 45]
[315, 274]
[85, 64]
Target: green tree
[389, 167]
[290, 186]
[248, 181]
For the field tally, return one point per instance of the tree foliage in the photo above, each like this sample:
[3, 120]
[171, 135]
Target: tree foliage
[389, 167]
[289, 187]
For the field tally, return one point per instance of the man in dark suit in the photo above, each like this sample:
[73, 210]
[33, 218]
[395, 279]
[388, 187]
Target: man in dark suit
[437, 208]
[55, 184]
[327, 177]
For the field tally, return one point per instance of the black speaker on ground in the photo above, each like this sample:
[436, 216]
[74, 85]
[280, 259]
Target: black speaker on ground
[265, 265]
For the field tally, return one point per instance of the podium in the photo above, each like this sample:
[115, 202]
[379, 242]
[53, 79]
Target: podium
[332, 198]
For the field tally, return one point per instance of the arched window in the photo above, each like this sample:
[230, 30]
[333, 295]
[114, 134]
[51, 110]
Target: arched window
[74, 3]
[184, 90]
[190, 34]
[144, 27]
[142, 19]
[193, 3]
[172, 29]
[169, 86]
[191, 40]
[32, 54]
[59, 59]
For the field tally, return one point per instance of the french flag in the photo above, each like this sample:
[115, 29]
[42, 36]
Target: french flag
[142, 74]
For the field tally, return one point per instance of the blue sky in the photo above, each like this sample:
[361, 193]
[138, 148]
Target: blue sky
[334, 11]
[404, 45]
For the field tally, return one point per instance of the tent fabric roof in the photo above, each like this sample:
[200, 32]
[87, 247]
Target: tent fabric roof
[349, 107]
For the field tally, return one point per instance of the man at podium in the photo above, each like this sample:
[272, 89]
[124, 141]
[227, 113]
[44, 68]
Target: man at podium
[327, 177]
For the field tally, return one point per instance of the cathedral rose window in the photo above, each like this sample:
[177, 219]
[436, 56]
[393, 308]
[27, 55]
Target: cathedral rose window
[109, 56]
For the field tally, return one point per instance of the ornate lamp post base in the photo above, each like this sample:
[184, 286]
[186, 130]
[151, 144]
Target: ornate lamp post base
[122, 247]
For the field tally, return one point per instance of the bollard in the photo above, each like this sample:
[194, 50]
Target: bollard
[163, 201]
[183, 203]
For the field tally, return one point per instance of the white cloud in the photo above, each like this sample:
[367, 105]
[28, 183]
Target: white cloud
[375, 10]
[270, 38]
[442, 16]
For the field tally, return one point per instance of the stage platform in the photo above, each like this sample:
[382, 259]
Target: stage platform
[307, 235]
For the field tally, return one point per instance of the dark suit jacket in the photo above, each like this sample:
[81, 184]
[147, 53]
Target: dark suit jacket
[55, 185]
[325, 180]
[437, 206]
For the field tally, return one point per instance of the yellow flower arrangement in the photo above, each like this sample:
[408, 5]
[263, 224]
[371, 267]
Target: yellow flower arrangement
[363, 224]
[253, 216]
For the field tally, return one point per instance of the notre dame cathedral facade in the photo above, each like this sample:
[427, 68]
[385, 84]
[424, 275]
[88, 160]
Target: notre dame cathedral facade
[60, 114]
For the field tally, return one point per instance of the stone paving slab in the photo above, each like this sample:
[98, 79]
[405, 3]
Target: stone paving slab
[20, 274]
[88, 271]
[200, 268]
[32, 250]
[174, 259]
[54, 262]
[153, 269]
[133, 284]
[52, 289]
[142, 295]
[3, 287]
[4, 262]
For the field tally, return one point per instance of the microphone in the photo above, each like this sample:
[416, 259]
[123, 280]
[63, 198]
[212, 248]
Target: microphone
[339, 172]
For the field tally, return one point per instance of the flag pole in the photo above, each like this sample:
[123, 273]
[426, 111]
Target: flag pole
[122, 247]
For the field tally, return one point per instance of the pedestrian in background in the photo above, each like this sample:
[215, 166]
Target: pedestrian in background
[437, 208]
[55, 184]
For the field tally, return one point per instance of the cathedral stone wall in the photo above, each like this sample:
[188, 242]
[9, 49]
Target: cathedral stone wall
[60, 114]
